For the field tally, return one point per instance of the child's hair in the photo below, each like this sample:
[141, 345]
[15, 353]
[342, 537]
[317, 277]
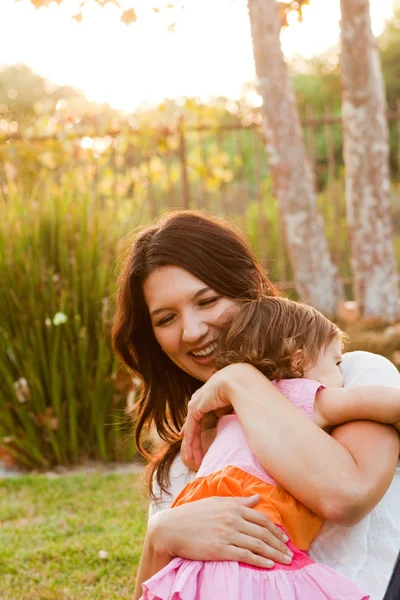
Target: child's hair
[280, 337]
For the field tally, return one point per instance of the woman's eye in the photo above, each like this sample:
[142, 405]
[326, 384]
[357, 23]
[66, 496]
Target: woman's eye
[165, 320]
[338, 363]
[208, 301]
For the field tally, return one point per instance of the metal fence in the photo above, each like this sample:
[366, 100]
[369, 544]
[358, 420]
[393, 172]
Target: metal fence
[222, 168]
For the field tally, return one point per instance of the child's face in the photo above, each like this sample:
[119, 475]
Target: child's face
[327, 367]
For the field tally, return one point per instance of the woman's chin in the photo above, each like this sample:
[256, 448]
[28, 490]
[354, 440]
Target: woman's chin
[202, 367]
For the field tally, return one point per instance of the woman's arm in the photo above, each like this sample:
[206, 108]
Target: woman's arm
[150, 563]
[212, 529]
[375, 448]
[332, 479]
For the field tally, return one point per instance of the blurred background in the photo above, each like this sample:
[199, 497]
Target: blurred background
[113, 112]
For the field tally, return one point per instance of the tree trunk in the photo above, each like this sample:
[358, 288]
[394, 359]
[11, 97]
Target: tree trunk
[315, 275]
[366, 152]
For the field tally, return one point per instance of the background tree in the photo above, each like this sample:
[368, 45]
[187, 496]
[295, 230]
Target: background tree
[366, 152]
[315, 275]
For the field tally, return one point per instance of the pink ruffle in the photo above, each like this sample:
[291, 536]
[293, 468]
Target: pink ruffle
[224, 580]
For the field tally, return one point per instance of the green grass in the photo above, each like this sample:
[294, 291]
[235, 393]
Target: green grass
[52, 530]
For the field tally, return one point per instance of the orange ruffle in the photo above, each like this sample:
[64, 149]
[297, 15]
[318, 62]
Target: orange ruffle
[300, 523]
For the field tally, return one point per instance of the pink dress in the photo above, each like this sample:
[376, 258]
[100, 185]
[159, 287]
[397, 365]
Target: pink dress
[231, 469]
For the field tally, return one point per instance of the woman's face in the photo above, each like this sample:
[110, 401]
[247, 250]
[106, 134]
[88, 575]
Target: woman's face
[187, 317]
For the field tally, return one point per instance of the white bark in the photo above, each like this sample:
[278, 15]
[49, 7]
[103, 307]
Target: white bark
[366, 152]
[315, 275]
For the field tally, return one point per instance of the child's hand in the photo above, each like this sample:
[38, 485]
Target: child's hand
[208, 433]
[189, 463]
[213, 395]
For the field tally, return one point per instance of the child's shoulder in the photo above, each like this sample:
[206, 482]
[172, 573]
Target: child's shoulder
[301, 392]
[298, 384]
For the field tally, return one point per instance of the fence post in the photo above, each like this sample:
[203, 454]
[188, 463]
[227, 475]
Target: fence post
[397, 117]
[3, 181]
[183, 160]
[331, 185]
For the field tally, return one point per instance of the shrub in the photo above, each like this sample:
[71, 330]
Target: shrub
[61, 395]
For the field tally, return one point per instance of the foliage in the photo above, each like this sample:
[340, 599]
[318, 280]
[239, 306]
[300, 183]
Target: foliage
[74, 178]
[70, 522]
[35, 109]
[317, 80]
[31, 106]
[61, 397]
[317, 84]
[389, 44]
[66, 205]
[291, 6]
[373, 337]
[129, 16]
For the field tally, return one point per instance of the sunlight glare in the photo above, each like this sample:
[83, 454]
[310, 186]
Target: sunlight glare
[210, 53]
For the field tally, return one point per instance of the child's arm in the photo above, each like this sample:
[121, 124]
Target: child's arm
[380, 403]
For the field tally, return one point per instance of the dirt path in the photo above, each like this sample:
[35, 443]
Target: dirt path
[87, 467]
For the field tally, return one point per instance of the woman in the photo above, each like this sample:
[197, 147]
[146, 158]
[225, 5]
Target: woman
[178, 284]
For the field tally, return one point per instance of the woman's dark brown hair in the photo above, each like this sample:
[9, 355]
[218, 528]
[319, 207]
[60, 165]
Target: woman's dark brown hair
[280, 337]
[217, 254]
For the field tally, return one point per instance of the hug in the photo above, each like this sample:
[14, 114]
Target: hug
[286, 483]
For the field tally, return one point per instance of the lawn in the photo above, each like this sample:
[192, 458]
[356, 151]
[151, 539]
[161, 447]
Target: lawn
[54, 533]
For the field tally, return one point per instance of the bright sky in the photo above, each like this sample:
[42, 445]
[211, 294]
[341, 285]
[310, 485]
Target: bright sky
[210, 53]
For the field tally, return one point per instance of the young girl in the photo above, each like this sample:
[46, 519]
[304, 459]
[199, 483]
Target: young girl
[300, 350]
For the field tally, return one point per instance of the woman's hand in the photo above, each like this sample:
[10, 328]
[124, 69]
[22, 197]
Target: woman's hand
[218, 529]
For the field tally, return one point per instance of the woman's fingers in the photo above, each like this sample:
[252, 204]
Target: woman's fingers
[259, 547]
[268, 545]
[261, 535]
[247, 556]
[258, 518]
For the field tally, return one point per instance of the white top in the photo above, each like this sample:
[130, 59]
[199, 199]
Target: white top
[366, 552]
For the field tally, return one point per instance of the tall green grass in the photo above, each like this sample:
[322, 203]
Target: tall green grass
[60, 398]
[62, 393]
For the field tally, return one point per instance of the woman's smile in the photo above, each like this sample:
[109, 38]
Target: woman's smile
[187, 317]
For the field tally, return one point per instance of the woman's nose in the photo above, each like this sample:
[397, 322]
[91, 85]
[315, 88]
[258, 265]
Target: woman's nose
[193, 330]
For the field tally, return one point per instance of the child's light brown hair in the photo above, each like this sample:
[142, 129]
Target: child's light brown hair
[280, 337]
